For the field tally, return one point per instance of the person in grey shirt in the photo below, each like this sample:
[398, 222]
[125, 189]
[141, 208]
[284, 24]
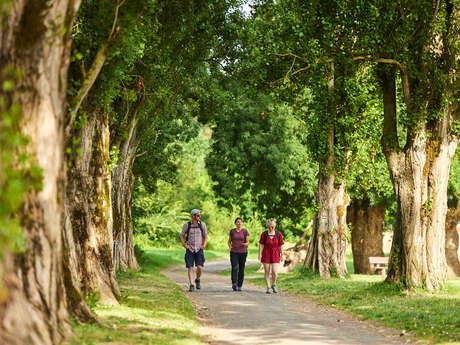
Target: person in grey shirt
[194, 236]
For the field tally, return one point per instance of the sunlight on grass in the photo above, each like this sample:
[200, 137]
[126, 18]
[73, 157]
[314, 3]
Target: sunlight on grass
[153, 310]
[434, 317]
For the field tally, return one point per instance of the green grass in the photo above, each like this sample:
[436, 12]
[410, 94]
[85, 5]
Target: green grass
[433, 317]
[153, 309]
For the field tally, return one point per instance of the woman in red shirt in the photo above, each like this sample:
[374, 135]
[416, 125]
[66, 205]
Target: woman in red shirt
[270, 250]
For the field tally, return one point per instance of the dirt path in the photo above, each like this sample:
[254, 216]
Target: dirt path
[253, 317]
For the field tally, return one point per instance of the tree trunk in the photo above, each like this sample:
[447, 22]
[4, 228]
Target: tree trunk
[35, 39]
[419, 172]
[328, 244]
[123, 187]
[452, 242]
[366, 233]
[88, 233]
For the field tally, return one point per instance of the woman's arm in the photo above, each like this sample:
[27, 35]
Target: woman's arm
[261, 248]
[246, 244]
[229, 242]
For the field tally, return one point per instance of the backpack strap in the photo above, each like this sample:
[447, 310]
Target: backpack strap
[277, 234]
[245, 233]
[189, 225]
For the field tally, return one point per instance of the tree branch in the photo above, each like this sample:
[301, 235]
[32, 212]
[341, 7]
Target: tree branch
[93, 73]
[88, 83]
[141, 154]
[402, 69]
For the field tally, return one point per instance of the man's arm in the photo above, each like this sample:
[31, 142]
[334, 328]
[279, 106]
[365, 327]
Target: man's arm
[182, 239]
[185, 245]
[205, 235]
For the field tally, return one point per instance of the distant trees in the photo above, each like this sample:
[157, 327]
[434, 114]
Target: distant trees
[259, 158]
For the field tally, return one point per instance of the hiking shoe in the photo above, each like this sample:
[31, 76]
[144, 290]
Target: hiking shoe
[275, 289]
[239, 288]
[268, 290]
[234, 287]
[198, 285]
[192, 288]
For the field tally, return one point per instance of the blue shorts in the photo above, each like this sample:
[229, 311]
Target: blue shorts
[192, 258]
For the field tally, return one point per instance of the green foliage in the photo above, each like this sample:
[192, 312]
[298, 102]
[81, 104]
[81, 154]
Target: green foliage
[159, 216]
[92, 300]
[18, 172]
[5, 8]
[259, 158]
[454, 181]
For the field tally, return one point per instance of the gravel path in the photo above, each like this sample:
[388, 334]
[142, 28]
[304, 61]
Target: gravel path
[254, 317]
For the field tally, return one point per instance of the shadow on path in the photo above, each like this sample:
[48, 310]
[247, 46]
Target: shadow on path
[251, 316]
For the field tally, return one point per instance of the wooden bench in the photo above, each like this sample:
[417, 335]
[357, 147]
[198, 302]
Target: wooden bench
[379, 263]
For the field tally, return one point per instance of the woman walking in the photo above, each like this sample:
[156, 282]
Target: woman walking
[238, 242]
[270, 250]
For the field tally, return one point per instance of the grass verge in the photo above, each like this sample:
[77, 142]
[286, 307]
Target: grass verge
[153, 309]
[432, 317]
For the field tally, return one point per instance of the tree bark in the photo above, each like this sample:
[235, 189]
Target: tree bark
[366, 233]
[36, 39]
[326, 252]
[123, 187]
[419, 172]
[88, 229]
[327, 246]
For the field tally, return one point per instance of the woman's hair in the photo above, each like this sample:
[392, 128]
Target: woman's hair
[236, 219]
[271, 221]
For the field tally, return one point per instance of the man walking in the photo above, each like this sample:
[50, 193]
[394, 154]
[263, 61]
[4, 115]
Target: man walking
[194, 236]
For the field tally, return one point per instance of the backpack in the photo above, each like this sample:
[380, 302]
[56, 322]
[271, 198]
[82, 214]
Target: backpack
[245, 233]
[277, 234]
[189, 225]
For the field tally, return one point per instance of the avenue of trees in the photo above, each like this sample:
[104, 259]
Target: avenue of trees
[342, 111]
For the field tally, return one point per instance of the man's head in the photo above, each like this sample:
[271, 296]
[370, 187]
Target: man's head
[196, 214]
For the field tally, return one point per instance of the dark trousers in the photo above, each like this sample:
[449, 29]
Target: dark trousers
[238, 260]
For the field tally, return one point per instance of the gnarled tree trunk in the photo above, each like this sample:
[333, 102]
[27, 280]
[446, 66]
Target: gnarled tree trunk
[88, 218]
[366, 233]
[123, 187]
[34, 41]
[328, 243]
[419, 172]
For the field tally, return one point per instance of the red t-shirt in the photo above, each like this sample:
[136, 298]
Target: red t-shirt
[271, 252]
